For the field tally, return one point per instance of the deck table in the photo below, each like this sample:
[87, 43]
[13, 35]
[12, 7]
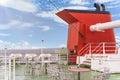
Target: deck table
[78, 70]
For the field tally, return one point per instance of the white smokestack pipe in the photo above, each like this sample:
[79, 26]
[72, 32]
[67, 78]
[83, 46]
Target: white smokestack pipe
[105, 26]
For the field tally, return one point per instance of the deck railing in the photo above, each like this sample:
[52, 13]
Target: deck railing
[86, 49]
[99, 48]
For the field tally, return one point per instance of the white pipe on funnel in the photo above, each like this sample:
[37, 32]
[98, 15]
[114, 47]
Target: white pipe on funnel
[105, 26]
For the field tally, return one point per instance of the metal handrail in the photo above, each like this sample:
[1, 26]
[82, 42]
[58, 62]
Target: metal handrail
[99, 48]
[81, 51]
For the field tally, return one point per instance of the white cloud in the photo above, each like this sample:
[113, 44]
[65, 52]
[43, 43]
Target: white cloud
[9, 25]
[76, 7]
[80, 2]
[45, 14]
[51, 14]
[45, 28]
[27, 24]
[35, 47]
[19, 45]
[103, 1]
[113, 6]
[115, 2]
[116, 15]
[117, 38]
[30, 35]
[15, 23]
[62, 45]
[112, 3]
[4, 34]
[21, 5]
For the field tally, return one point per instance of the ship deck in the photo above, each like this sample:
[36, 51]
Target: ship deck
[21, 74]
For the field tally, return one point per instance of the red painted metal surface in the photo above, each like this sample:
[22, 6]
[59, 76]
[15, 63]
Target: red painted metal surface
[79, 33]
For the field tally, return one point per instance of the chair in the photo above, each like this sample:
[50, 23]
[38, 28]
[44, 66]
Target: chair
[44, 58]
[105, 75]
[30, 63]
[17, 58]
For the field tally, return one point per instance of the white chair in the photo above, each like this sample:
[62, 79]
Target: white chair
[45, 58]
[30, 63]
[17, 57]
[104, 75]
[30, 57]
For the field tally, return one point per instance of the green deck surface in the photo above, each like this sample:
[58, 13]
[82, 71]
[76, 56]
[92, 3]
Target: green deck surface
[21, 75]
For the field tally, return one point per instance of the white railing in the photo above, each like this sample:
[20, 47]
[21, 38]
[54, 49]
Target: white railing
[99, 48]
[85, 49]
[8, 66]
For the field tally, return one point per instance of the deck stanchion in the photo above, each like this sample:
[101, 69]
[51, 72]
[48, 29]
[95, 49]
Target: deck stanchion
[10, 69]
[13, 68]
[5, 74]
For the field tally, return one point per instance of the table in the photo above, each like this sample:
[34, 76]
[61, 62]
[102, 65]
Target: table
[78, 70]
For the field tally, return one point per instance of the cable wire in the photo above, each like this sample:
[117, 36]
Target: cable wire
[54, 5]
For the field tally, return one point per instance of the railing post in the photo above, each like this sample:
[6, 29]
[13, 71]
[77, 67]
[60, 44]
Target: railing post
[117, 49]
[90, 49]
[103, 48]
[9, 68]
[5, 73]
[13, 68]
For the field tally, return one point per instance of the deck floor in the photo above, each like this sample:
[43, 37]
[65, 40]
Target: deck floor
[21, 75]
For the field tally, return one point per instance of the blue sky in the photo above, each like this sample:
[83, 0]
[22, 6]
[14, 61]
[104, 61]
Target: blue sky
[24, 23]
